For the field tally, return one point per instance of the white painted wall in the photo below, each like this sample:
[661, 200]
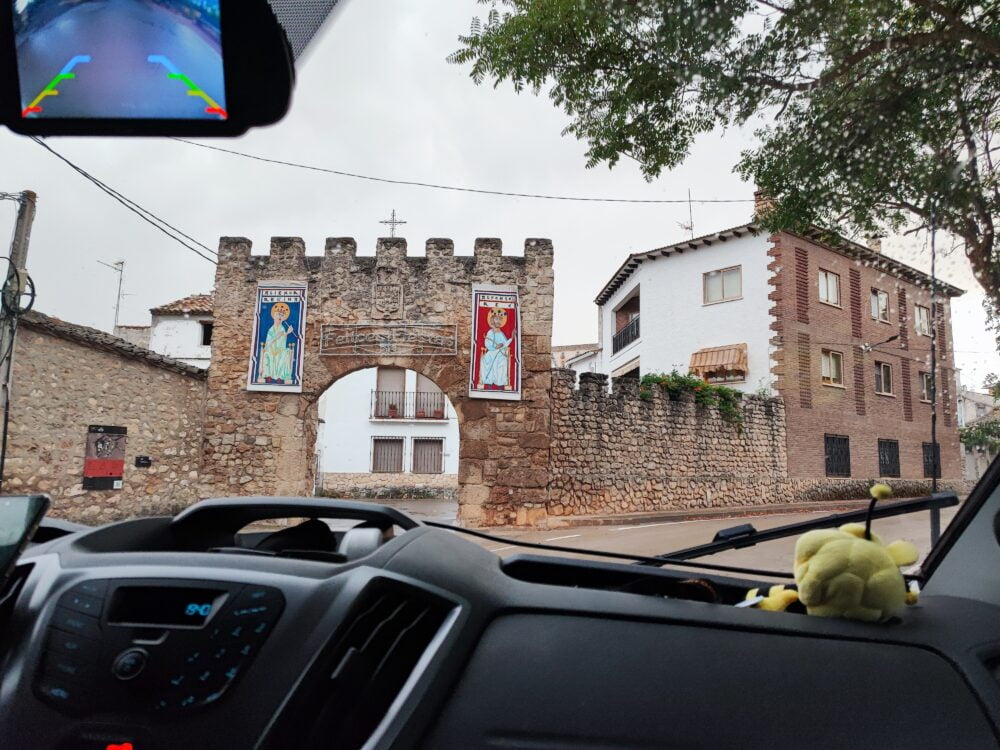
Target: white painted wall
[674, 321]
[589, 362]
[345, 440]
[179, 336]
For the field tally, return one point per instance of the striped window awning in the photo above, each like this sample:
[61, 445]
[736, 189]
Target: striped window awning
[732, 358]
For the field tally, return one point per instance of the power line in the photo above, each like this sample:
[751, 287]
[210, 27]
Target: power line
[145, 214]
[481, 191]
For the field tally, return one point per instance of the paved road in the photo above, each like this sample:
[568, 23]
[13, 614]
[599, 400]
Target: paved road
[118, 80]
[658, 538]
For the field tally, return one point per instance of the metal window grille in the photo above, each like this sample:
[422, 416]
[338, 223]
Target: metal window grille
[428, 455]
[838, 455]
[625, 336]
[888, 458]
[387, 455]
[932, 460]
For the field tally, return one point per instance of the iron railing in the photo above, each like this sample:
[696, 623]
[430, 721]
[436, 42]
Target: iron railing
[409, 405]
[625, 336]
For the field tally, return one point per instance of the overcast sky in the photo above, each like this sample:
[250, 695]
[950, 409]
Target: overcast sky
[375, 96]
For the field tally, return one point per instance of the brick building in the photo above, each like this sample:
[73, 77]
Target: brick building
[839, 330]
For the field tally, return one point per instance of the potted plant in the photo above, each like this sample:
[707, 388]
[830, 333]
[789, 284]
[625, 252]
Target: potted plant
[421, 414]
[439, 414]
[393, 411]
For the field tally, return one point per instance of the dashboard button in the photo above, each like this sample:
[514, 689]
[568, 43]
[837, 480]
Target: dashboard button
[62, 666]
[92, 588]
[87, 605]
[129, 664]
[62, 693]
[253, 596]
[71, 621]
[74, 645]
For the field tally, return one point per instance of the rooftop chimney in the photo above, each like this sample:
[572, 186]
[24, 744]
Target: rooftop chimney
[762, 203]
[875, 243]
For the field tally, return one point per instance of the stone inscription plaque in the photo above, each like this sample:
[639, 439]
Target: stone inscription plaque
[389, 339]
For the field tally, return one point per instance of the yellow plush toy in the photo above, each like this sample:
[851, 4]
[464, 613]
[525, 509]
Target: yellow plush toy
[841, 574]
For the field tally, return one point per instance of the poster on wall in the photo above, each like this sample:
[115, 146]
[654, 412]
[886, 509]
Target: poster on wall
[278, 333]
[496, 343]
[104, 457]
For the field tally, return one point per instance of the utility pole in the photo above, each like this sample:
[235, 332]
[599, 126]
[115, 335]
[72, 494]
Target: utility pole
[118, 267]
[935, 450]
[14, 286]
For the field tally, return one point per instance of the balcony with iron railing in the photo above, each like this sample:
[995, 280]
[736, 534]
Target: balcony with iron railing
[627, 335]
[409, 405]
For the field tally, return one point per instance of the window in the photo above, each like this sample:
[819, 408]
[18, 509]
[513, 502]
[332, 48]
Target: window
[980, 411]
[427, 455]
[925, 386]
[387, 455]
[880, 305]
[922, 320]
[888, 458]
[723, 285]
[206, 334]
[932, 460]
[829, 288]
[838, 455]
[833, 368]
[883, 378]
[725, 376]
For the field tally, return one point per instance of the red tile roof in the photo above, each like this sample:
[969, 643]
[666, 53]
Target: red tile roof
[195, 304]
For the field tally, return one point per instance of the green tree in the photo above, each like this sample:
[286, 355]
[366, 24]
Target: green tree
[871, 114]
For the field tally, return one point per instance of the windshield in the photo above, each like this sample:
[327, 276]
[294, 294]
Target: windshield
[606, 275]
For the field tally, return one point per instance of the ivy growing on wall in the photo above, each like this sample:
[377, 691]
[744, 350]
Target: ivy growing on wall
[726, 400]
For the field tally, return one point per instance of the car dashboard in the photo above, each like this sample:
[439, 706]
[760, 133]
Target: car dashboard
[163, 633]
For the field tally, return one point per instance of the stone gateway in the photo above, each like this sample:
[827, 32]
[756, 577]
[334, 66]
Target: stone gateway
[392, 309]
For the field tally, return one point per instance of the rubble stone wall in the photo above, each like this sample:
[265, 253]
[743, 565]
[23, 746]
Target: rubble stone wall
[354, 485]
[618, 453]
[61, 387]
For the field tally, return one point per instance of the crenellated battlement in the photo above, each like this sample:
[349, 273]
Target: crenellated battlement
[387, 249]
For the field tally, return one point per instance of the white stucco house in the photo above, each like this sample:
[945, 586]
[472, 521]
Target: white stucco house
[700, 305]
[387, 420]
[183, 330]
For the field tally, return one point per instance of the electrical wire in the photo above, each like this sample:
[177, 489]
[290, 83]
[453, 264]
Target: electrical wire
[13, 309]
[145, 214]
[455, 188]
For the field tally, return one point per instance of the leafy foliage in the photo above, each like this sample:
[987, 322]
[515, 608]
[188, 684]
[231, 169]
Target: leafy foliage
[882, 114]
[984, 434]
[992, 384]
[726, 400]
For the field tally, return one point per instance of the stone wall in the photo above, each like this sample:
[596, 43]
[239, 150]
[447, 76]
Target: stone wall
[68, 377]
[617, 453]
[353, 485]
[262, 443]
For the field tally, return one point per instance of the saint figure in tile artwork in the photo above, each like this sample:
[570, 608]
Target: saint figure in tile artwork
[494, 363]
[277, 354]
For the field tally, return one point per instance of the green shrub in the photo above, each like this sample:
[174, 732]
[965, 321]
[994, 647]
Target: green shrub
[726, 400]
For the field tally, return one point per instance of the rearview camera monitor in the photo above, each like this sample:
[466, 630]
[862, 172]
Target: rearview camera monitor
[120, 59]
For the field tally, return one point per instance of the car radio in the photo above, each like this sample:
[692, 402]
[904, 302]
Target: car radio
[154, 646]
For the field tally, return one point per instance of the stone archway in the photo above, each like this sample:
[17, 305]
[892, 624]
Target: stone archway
[260, 443]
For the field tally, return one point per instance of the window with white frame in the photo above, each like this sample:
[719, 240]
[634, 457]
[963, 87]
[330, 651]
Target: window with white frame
[829, 288]
[832, 367]
[387, 455]
[428, 455]
[883, 378]
[922, 320]
[880, 305]
[925, 386]
[723, 285]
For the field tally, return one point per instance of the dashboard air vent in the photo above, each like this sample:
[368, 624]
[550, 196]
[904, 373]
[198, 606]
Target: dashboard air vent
[363, 670]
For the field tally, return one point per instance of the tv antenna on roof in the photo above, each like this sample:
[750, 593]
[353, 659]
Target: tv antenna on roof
[689, 227]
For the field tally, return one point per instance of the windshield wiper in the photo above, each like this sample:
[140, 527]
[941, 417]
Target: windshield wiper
[745, 535]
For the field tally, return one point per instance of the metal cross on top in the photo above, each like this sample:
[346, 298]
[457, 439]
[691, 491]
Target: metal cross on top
[393, 222]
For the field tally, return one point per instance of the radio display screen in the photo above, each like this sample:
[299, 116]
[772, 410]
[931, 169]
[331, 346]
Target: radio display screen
[163, 606]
